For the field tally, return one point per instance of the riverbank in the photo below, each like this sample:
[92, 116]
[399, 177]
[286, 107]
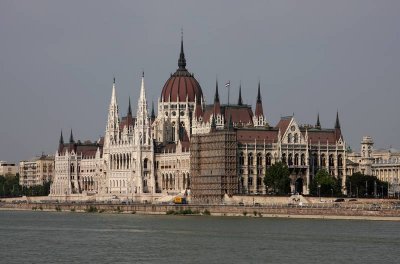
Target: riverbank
[310, 211]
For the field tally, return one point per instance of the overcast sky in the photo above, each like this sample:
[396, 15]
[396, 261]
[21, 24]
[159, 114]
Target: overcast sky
[58, 59]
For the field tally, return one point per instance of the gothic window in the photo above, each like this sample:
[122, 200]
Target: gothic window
[241, 159]
[181, 130]
[340, 160]
[284, 158]
[259, 160]
[250, 181]
[331, 160]
[268, 159]
[289, 138]
[290, 159]
[250, 159]
[296, 138]
[296, 159]
[145, 161]
[173, 131]
[323, 160]
[303, 159]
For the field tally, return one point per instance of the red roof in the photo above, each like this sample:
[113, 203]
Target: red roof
[181, 84]
[283, 123]
[322, 136]
[251, 135]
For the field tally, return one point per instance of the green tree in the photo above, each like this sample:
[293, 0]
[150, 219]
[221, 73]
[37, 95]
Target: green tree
[324, 184]
[360, 185]
[277, 178]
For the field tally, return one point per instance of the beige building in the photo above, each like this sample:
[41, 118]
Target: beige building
[382, 163]
[36, 171]
[8, 169]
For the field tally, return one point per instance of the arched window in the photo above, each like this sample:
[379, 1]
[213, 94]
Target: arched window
[303, 159]
[145, 161]
[284, 158]
[173, 131]
[289, 138]
[268, 159]
[296, 159]
[331, 160]
[290, 159]
[259, 160]
[323, 160]
[296, 138]
[241, 159]
[340, 160]
[250, 159]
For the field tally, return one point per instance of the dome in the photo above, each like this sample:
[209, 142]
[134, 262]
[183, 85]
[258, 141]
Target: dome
[181, 84]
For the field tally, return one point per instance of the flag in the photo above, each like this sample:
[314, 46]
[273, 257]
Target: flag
[228, 84]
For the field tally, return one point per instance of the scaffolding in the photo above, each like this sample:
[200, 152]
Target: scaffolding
[213, 166]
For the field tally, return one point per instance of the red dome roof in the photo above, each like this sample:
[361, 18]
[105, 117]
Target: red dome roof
[181, 84]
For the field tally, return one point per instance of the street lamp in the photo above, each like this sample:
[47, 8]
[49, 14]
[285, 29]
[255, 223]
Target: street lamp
[319, 192]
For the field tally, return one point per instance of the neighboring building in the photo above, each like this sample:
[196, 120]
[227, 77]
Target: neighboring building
[8, 169]
[167, 153]
[382, 163]
[78, 167]
[37, 171]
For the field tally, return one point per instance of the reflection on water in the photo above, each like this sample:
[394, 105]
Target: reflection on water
[51, 237]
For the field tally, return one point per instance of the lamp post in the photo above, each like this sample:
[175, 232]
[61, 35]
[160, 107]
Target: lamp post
[319, 192]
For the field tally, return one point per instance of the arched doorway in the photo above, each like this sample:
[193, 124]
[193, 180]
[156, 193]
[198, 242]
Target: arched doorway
[299, 186]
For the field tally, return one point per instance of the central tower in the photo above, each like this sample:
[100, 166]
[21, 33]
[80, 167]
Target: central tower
[176, 104]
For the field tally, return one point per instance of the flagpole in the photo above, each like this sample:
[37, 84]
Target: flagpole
[229, 88]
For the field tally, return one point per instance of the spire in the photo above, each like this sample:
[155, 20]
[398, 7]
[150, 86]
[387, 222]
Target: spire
[182, 60]
[240, 101]
[259, 93]
[217, 106]
[61, 142]
[71, 138]
[216, 97]
[152, 110]
[113, 96]
[318, 124]
[129, 107]
[337, 123]
[259, 107]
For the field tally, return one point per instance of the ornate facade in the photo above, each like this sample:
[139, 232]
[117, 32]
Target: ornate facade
[381, 163]
[163, 154]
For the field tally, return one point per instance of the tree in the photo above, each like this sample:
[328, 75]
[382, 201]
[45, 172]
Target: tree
[360, 185]
[277, 178]
[324, 184]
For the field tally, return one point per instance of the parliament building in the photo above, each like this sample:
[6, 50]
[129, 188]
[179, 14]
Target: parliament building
[205, 149]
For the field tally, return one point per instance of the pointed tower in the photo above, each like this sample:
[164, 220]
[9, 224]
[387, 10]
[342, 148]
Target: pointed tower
[71, 138]
[112, 129]
[217, 105]
[338, 131]
[318, 124]
[258, 118]
[337, 123]
[142, 118]
[129, 107]
[153, 115]
[61, 143]
[240, 101]
[182, 60]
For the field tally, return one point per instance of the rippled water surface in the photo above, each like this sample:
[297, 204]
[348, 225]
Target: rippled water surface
[54, 237]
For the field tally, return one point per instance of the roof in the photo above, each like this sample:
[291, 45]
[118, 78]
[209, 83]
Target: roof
[284, 123]
[322, 136]
[250, 135]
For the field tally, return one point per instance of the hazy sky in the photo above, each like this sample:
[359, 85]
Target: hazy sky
[58, 59]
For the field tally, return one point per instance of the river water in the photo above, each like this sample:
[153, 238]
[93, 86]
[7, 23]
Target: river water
[59, 237]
